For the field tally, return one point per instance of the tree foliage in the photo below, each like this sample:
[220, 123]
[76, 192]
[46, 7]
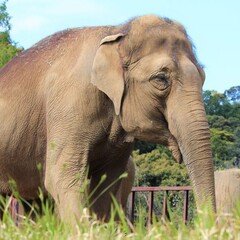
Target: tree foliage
[4, 17]
[159, 168]
[223, 112]
[233, 94]
[8, 48]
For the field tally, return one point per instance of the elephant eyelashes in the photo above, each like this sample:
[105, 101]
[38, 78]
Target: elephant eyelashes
[160, 81]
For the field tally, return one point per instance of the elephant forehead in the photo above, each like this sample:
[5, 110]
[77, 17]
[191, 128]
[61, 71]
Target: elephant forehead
[169, 41]
[150, 64]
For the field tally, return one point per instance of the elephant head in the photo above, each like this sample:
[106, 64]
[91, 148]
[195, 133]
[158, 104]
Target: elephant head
[149, 71]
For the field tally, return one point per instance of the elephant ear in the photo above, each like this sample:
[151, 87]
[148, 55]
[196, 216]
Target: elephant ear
[107, 71]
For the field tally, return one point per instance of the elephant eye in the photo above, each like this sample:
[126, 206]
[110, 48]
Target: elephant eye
[160, 80]
[161, 77]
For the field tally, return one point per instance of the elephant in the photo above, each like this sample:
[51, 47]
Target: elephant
[227, 186]
[72, 106]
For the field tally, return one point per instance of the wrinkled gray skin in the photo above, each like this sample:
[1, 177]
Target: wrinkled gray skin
[78, 99]
[227, 185]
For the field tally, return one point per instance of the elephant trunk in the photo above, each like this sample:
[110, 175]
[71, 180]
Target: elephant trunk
[190, 128]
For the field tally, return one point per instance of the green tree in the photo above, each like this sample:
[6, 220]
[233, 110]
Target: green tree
[8, 48]
[224, 120]
[233, 94]
[216, 103]
[158, 167]
[4, 17]
[237, 145]
[223, 145]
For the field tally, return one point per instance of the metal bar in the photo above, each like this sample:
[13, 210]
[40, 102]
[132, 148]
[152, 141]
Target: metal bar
[17, 213]
[163, 188]
[165, 210]
[150, 207]
[132, 200]
[185, 206]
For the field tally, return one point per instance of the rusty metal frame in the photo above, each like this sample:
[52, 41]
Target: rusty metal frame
[166, 190]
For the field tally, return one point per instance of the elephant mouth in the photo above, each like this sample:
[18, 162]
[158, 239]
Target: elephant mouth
[174, 148]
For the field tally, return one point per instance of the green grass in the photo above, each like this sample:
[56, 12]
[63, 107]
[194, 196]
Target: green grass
[47, 226]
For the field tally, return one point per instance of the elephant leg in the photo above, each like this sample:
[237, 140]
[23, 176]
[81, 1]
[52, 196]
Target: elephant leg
[101, 199]
[126, 184]
[64, 178]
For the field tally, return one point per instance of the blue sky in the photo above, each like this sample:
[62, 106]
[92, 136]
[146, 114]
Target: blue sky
[214, 26]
